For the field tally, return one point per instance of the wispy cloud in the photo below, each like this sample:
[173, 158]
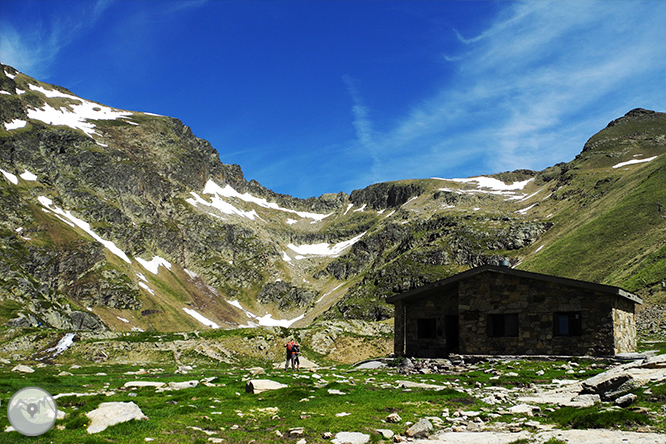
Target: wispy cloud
[531, 88]
[32, 46]
[362, 124]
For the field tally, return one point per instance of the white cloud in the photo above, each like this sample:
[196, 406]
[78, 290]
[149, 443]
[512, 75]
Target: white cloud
[529, 89]
[32, 47]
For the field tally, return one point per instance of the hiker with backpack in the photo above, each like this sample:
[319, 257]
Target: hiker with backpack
[293, 349]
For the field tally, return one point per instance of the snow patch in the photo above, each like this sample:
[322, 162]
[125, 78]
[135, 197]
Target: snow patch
[207, 322]
[191, 274]
[223, 206]
[360, 209]
[15, 124]
[323, 249]
[266, 320]
[7, 93]
[319, 300]
[27, 175]
[10, 177]
[73, 115]
[349, 207]
[154, 264]
[492, 183]
[64, 343]
[525, 210]
[146, 287]
[631, 162]
[123, 319]
[217, 192]
[69, 218]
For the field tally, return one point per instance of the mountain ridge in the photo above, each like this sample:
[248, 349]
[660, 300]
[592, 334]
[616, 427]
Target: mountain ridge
[205, 247]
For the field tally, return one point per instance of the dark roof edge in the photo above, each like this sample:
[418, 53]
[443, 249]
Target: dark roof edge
[512, 271]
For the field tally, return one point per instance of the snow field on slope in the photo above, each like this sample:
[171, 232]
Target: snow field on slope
[217, 194]
[266, 320]
[323, 249]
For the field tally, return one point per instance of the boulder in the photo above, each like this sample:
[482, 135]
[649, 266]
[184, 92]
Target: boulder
[603, 383]
[144, 384]
[626, 400]
[183, 385]
[23, 369]
[524, 409]
[393, 418]
[386, 433]
[111, 413]
[262, 385]
[350, 438]
[420, 430]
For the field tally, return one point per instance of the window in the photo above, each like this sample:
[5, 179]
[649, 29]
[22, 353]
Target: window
[567, 324]
[427, 328]
[503, 325]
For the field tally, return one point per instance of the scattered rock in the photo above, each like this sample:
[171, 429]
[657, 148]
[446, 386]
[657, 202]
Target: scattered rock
[421, 429]
[524, 409]
[23, 369]
[371, 365]
[393, 418]
[296, 431]
[111, 413]
[351, 438]
[626, 400]
[183, 385]
[261, 385]
[386, 433]
[144, 384]
[604, 383]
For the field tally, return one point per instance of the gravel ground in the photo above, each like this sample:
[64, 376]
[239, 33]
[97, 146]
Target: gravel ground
[593, 436]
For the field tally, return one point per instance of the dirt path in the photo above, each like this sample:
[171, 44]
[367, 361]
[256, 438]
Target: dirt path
[593, 436]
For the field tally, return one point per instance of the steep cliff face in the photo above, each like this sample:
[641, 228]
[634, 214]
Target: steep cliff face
[124, 220]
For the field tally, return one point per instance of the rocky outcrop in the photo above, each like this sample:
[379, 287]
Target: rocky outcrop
[285, 296]
[385, 195]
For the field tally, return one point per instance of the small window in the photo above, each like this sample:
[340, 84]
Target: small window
[567, 324]
[427, 328]
[503, 325]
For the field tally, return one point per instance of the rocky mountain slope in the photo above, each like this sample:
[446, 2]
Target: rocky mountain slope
[125, 220]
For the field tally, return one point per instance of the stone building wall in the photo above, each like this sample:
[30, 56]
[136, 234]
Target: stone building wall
[534, 302]
[624, 320]
[437, 309]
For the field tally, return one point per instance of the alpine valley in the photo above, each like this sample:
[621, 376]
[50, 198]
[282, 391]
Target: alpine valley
[122, 220]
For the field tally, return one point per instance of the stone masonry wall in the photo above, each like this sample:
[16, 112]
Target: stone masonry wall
[436, 307]
[624, 319]
[535, 302]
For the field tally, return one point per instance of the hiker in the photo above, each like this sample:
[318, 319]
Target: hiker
[290, 354]
[296, 351]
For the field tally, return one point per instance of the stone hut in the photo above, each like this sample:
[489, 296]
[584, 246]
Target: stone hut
[499, 310]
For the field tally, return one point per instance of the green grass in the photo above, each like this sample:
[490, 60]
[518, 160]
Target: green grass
[598, 417]
[235, 415]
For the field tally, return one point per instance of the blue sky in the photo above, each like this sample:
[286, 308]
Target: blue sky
[311, 97]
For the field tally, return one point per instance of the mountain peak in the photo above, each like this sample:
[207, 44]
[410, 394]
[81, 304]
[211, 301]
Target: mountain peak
[634, 114]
